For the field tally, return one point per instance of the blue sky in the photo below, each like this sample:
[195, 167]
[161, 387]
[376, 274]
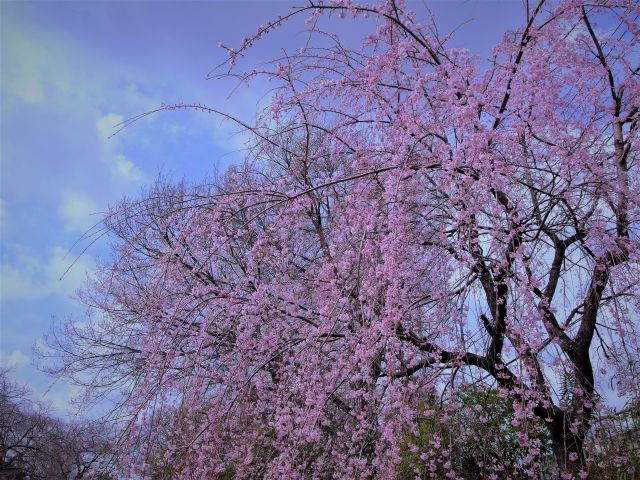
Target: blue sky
[70, 72]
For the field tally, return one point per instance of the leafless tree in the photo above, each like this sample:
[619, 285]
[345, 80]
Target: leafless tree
[36, 445]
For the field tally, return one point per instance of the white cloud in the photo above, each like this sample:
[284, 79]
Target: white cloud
[14, 359]
[28, 278]
[78, 212]
[27, 76]
[126, 169]
[24, 80]
[174, 129]
[50, 71]
[121, 166]
[42, 347]
[61, 396]
[107, 124]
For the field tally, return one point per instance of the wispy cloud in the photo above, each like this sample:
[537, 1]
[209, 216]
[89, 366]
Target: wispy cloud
[78, 212]
[108, 124]
[27, 277]
[126, 169]
[64, 89]
[15, 359]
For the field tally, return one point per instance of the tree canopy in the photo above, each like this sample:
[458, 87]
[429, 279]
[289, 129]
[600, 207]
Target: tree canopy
[410, 223]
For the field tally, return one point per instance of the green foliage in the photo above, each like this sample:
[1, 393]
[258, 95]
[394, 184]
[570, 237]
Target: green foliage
[229, 473]
[613, 448]
[465, 436]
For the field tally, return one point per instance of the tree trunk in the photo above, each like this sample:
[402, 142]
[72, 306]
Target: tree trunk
[568, 445]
